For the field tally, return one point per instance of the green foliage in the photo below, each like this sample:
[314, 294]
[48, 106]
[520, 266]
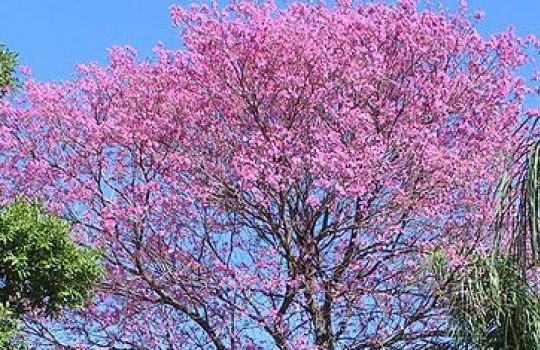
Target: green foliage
[8, 61]
[9, 329]
[41, 268]
[8, 326]
[518, 213]
[491, 304]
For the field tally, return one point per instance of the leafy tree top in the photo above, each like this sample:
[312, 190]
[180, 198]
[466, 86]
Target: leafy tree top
[41, 268]
[8, 61]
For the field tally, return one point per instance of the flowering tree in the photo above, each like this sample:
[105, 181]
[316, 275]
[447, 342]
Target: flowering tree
[280, 182]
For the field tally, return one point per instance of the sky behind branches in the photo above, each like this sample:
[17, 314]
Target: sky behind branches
[51, 36]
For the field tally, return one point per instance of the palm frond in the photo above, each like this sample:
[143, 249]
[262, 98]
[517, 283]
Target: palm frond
[517, 228]
[491, 305]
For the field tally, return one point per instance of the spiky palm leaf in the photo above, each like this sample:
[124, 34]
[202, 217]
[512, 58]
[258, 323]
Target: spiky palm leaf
[517, 227]
[491, 302]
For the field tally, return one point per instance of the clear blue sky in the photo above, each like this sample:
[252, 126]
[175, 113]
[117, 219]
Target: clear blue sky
[53, 35]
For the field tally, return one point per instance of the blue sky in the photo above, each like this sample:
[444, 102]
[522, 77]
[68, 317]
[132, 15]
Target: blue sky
[51, 36]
